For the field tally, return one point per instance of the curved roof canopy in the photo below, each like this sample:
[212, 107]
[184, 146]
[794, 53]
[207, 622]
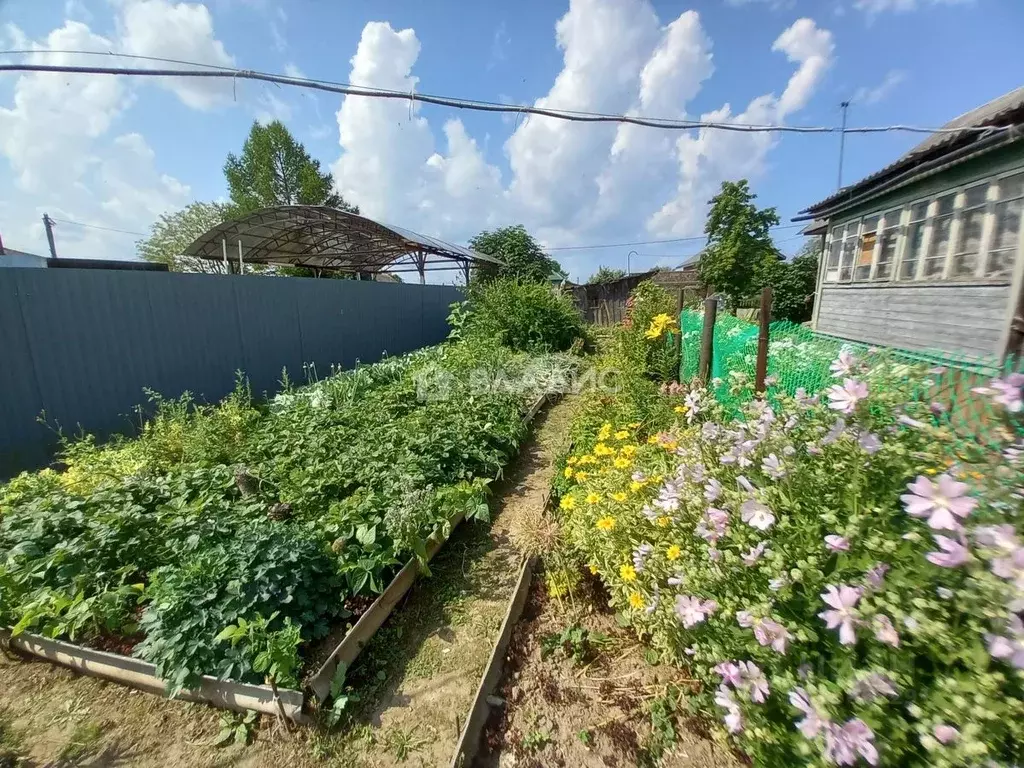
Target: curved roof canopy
[319, 237]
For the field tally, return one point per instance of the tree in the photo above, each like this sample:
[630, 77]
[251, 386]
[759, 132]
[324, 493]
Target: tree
[606, 275]
[524, 259]
[740, 255]
[275, 169]
[793, 285]
[172, 233]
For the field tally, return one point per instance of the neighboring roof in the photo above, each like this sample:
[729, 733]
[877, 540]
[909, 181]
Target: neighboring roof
[328, 238]
[1008, 109]
[129, 265]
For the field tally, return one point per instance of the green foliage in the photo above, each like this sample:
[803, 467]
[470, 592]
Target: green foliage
[237, 728]
[275, 169]
[523, 257]
[574, 642]
[172, 233]
[536, 740]
[605, 275]
[525, 316]
[272, 653]
[739, 256]
[648, 341]
[793, 284]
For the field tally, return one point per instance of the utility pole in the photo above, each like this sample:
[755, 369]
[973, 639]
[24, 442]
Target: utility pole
[48, 223]
[842, 143]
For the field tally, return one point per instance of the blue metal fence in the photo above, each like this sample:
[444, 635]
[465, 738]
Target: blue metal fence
[81, 345]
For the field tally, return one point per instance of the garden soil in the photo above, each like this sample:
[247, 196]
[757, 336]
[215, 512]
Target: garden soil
[555, 713]
[415, 680]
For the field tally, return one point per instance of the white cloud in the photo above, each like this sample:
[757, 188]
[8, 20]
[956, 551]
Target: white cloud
[872, 95]
[269, 108]
[177, 31]
[773, 4]
[569, 182]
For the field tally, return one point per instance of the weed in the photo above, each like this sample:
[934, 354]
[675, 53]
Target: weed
[576, 643]
[236, 728]
[403, 743]
[536, 740]
[83, 742]
[586, 737]
[663, 735]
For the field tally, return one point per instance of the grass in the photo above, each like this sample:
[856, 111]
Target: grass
[83, 742]
[402, 743]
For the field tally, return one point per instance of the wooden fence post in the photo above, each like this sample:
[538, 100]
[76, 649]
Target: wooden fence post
[762, 340]
[707, 340]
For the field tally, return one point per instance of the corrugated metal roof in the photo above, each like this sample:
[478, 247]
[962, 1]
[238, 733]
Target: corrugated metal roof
[993, 113]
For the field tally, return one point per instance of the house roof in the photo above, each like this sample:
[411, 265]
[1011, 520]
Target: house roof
[1007, 110]
[328, 238]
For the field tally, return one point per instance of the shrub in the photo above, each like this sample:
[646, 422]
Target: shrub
[529, 317]
[834, 615]
[648, 341]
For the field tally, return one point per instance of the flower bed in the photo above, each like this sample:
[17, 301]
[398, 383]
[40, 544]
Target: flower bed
[845, 578]
[225, 539]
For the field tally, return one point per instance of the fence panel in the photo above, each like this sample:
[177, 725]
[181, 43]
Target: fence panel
[82, 345]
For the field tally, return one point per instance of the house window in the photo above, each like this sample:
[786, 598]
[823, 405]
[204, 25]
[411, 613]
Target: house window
[835, 249]
[1003, 248]
[972, 221]
[887, 244]
[866, 248]
[915, 241]
[938, 246]
[849, 249]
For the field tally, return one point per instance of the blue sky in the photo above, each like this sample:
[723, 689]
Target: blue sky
[116, 153]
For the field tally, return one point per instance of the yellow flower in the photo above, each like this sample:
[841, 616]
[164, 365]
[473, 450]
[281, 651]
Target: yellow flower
[588, 459]
[593, 498]
[606, 524]
[568, 472]
[664, 521]
[622, 435]
[628, 450]
[931, 470]
[593, 569]
[618, 496]
[680, 409]
[976, 475]
[652, 439]
[605, 431]
[621, 463]
[633, 424]
[567, 502]
[571, 461]
[670, 445]
[635, 486]
[581, 476]
[636, 600]
[673, 552]
[603, 450]
[627, 572]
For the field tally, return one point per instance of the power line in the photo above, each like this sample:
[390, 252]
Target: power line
[485, 106]
[96, 226]
[651, 242]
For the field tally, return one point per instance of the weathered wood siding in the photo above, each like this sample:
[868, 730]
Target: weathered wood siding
[962, 319]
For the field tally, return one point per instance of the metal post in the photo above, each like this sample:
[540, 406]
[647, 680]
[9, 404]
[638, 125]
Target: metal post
[224, 250]
[629, 270]
[465, 271]
[421, 267]
[241, 266]
[842, 143]
[48, 223]
[762, 340]
[707, 340]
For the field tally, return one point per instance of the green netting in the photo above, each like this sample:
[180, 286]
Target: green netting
[799, 358]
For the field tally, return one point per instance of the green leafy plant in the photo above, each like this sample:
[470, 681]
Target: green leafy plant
[272, 653]
[574, 642]
[237, 728]
[536, 740]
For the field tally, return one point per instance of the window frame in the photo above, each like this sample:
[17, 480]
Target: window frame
[853, 229]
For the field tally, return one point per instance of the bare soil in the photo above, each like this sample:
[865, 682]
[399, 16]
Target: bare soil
[415, 680]
[594, 711]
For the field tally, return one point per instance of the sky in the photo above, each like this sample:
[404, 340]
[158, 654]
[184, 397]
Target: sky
[118, 152]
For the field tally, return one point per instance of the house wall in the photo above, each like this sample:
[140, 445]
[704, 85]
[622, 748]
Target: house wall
[965, 317]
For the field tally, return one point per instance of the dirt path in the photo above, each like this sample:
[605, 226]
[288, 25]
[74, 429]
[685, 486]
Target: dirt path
[415, 679]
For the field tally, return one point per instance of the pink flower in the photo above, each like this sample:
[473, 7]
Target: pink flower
[730, 673]
[871, 687]
[772, 467]
[953, 554]
[712, 489]
[1004, 648]
[692, 610]
[885, 632]
[845, 398]
[1007, 392]
[842, 599]
[733, 717]
[745, 619]
[837, 543]
[755, 681]
[751, 557]
[843, 365]
[946, 733]
[876, 575]
[844, 743]
[813, 722]
[756, 515]
[772, 633]
[941, 502]
[869, 443]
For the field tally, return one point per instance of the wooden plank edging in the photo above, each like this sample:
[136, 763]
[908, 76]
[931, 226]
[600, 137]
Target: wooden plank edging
[139, 674]
[469, 739]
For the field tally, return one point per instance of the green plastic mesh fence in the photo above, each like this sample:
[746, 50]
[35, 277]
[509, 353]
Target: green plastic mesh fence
[799, 358]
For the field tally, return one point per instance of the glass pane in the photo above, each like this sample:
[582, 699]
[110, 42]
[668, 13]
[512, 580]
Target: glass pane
[965, 264]
[1011, 186]
[915, 245]
[846, 268]
[870, 224]
[837, 233]
[864, 256]
[970, 231]
[833, 254]
[975, 196]
[892, 218]
[918, 211]
[1000, 263]
[886, 254]
[945, 205]
[1007, 225]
